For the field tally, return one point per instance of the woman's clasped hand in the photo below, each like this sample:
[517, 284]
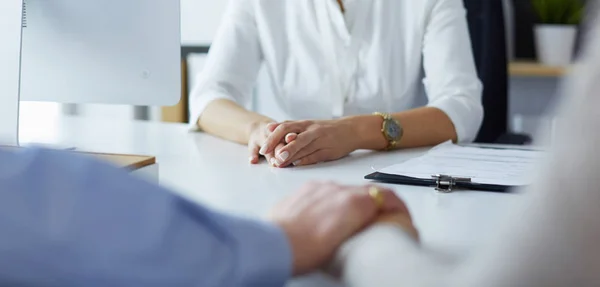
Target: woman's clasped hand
[300, 143]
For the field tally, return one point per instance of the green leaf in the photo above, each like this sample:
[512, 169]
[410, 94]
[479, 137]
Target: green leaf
[576, 17]
[564, 12]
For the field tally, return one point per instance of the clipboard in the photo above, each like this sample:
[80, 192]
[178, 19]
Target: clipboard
[442, 183]
[448, 167]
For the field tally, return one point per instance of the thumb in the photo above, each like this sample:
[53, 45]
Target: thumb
[291, 137]
[391, 202]
[254, 156]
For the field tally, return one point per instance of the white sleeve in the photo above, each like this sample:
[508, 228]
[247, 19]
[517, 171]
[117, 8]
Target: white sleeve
[451, 80]
[549, 239]
[384, 255]
[233, 61]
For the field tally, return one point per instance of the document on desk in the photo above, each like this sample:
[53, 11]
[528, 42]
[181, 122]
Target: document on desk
[495, 166]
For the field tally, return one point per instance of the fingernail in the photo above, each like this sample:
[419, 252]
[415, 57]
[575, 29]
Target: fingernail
[273, 162]
[251, 159]
[296, 163]
[263, 150]
[284, 156]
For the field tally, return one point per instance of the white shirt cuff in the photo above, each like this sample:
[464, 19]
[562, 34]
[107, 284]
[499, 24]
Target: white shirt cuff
[362, 260]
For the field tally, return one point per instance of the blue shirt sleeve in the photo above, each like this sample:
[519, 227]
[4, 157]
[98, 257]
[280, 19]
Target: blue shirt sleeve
[67, 220]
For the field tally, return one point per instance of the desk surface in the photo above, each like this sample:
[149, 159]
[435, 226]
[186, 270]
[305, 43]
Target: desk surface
[209, 170]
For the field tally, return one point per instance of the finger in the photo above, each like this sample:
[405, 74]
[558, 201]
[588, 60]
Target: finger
[298, 148]
[272, 126]
[401, 220]
[308, 150]
[270, 159]
[391, 202]
[254, 156]
[279, 134]
[290, 137]
[277, 151]
[367, 207]
[318, 156]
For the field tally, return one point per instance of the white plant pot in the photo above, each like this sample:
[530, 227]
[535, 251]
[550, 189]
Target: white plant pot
[555, 44]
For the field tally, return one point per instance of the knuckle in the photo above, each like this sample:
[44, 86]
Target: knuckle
[269, 129]
[282, 127]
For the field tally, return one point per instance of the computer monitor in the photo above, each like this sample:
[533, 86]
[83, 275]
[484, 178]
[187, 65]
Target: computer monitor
[10, 51]
[99, 51]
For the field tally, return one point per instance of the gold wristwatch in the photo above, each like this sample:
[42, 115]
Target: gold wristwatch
[391, 129]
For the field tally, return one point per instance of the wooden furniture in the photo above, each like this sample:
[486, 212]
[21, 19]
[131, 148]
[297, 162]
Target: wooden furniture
[179, 113]
[132, 162]
[533, 69]
[128, 161]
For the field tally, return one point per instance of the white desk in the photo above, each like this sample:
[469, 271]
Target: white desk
[209, 170]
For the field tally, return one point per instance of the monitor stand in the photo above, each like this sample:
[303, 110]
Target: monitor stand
[11, 28]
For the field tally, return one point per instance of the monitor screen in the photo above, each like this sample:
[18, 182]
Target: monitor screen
[10, 48]
[101, 51]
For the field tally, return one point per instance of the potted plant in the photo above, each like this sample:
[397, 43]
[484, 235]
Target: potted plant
[556, 31]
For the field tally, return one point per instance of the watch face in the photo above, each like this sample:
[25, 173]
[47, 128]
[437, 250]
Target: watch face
[393, 130]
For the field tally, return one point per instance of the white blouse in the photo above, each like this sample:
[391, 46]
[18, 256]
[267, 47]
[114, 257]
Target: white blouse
[325, 64]
[551, 239]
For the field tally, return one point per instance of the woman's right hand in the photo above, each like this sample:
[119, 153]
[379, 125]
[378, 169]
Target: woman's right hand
[259, 133]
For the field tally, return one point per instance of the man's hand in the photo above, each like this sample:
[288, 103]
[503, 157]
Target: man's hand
[313, 142]
[400, 219]
[321, 216]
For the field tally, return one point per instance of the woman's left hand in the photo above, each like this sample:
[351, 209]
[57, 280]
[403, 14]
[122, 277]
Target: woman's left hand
[316, 141]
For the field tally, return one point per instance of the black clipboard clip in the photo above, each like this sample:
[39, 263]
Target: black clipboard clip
[442, 183]
[446, 183]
